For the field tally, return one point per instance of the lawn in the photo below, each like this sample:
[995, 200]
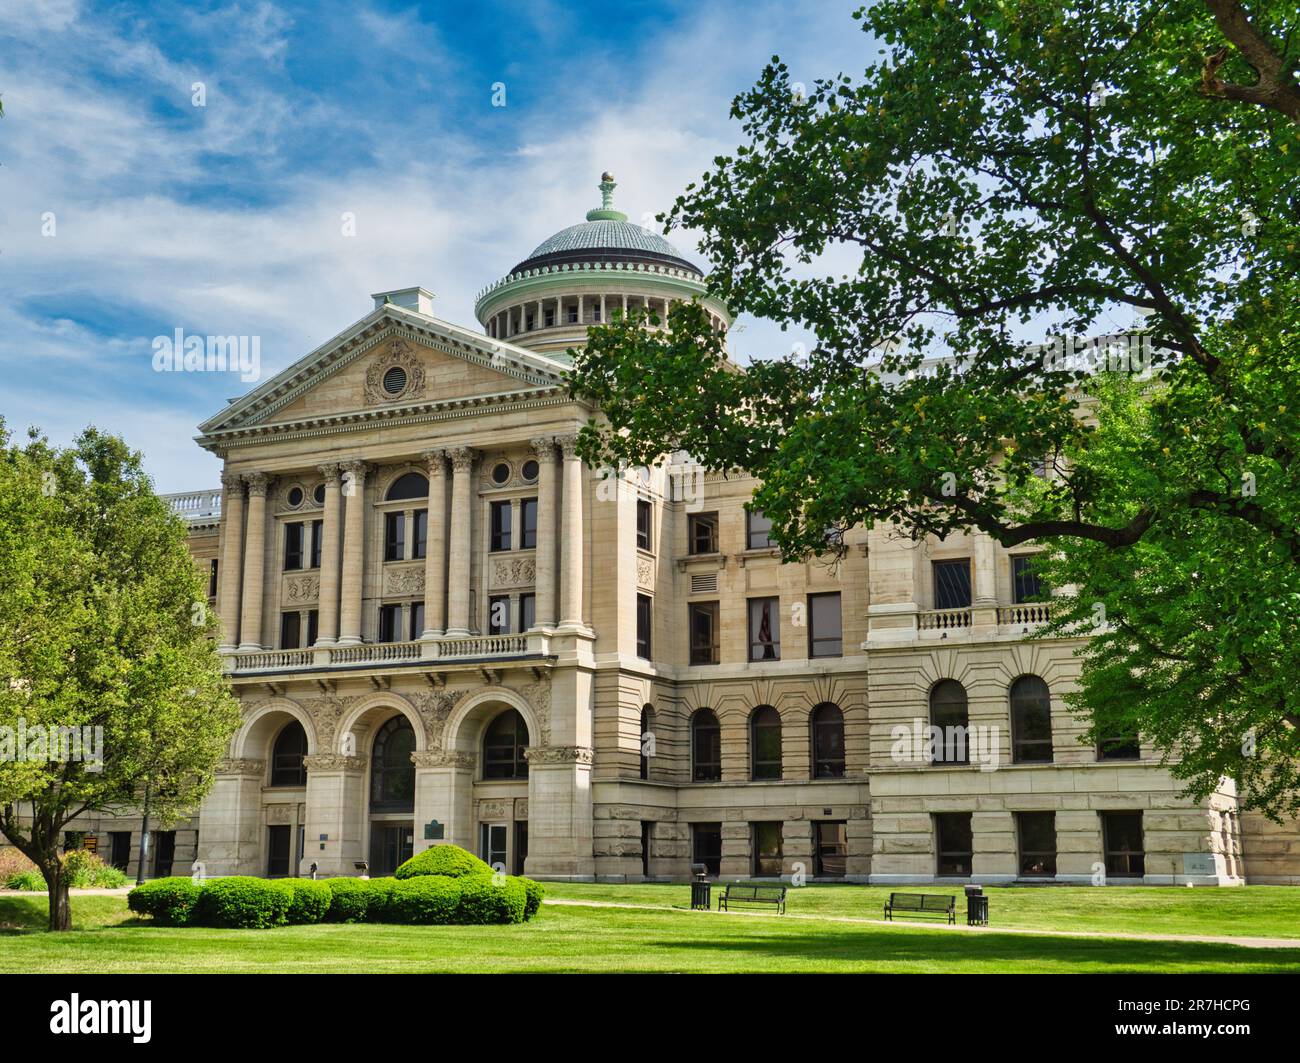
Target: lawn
[107, 939]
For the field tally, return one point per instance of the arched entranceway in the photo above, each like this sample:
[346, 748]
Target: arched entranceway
[392, 796]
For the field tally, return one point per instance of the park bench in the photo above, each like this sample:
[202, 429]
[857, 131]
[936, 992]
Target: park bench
[751, 895]
[922, 904]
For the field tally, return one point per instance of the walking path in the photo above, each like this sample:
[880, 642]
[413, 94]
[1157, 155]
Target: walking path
[1208, 939]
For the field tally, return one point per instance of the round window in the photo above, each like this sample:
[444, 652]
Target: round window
[319, 494]
[295, 496]
[395, 380]
[500, 472]
[530, 471]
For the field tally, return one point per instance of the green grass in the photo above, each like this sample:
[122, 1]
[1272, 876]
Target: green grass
[107, 938]
[1254, 911]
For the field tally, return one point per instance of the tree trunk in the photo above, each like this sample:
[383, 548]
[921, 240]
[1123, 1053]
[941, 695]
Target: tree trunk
[57, 885]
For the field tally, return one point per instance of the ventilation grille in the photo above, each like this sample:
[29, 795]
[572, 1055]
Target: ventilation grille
[706, 583]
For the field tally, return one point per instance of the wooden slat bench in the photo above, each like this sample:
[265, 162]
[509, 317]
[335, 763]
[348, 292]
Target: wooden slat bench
[752, 895]
[922, 904]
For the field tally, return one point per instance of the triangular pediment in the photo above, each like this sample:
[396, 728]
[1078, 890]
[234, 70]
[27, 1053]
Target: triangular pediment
[391, 364]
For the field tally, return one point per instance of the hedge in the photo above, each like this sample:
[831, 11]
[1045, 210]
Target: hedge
[533, 894]
[311, 900]
[381, 895]
[349, 900]
[445, 859]
[244, 902]
[170, 901]
[491, 899]
[426, 900]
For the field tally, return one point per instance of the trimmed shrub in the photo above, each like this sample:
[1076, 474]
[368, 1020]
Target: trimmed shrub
[349, 900]
[170, 901]
[244, 902]
[533, 894]
[311, 900]
[485, 899]
[426, 899]
[381, 894]
[25, 880]
[446, 859]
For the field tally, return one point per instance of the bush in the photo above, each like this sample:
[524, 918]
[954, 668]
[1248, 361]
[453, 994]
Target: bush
[244, 902]
[25, 880]
[311, 900]
[448, 860]
[85, 870]
[426, 900]
[487, 899]
[170, 901]
[12, 861]
[533, 894]
[349, 900]
[381, 895]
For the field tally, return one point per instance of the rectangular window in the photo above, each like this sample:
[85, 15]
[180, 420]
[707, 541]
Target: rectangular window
[277, 851]
[416, 626]
[390, 622]
[528, 524]
[758, 530]
[394, 536]
[706, 846]
[421, 545]
[500, 522]
[313, 626]
[1037, 834]
[549, 317]
[212, 579]
[499, 614]
[572, 314]
[119, 845]
[290, 631]
[702, 620]
[647, 836]
[643, 617]
[825, 626]
[1025, 584]
[492, 843]
[292, 546]
[1119, 747]
[1122, 837]
[767, 850]
[527, 612]
[952, 833]
[164, 853]
[952, 584]
[701, 533]
[832, 848]
[764, 629]
[317, 540]
[644, 515]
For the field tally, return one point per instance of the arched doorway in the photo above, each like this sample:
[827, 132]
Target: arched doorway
[392, 796]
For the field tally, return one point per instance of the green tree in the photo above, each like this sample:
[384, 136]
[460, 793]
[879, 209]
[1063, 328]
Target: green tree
[1004, 170]
[103, 625]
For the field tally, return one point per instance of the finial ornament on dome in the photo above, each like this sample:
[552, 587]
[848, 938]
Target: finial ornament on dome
[606, 211]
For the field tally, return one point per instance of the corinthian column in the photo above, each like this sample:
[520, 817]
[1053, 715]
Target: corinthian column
[232, 556]
[571, 535]
[547, 539]
[435, 551]
[250, 623]
[458, 561]
[327, 628]
[354, 554]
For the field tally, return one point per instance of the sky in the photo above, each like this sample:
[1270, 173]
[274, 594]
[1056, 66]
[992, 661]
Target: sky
[194, 165]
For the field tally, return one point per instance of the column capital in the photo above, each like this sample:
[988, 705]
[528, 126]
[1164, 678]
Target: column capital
[258, 482]
[462, 458]
[543, 447]
[568, 446]
[240, 766]
[356, 467]
[435, 461]
[331, 472]
[232, 481]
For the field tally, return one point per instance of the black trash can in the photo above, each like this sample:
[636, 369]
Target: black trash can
[977, 906]
[701, 888]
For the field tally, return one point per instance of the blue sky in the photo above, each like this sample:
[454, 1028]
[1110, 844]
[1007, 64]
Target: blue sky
[127, 212]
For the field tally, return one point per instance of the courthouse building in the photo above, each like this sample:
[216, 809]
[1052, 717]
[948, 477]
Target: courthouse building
[442, 625]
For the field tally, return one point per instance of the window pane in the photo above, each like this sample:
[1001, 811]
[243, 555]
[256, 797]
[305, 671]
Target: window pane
[703, 622]
[953, 838]
[760, 530]
[706, 846]
[832, 847]
[828, 742]
[1031, 720]
[706, 747]
[290, 631]
[527, 611]
[317, 538]
[499, 614]
[948, 712]
[767, 849]
[416, 627]
[765, 743]
[1025, 584]
[825, 626]
[500, 525]
[293, 545]
[504, 744]
[1037, 832]
[702, 533]
[394, 536]
[421, 544]
[1122, 836]
[644, 512]
[764, 629]
[643, 617]
[528, 519]
[952, 584]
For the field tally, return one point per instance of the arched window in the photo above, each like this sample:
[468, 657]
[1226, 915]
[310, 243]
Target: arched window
[706, 747]
[287, 768]
[392, 775]
[828, 741]
[647, 739]
[504, 743]
[1031, 721]
[765, 743]
[408, 485]
[949, 714]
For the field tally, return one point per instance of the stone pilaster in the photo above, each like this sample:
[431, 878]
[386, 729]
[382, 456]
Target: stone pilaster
[458, 562]
[327, 632]
[547, 535]
[435, 555]
[232, 558]
[571, 535]
[250, 623]
[354, 552]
